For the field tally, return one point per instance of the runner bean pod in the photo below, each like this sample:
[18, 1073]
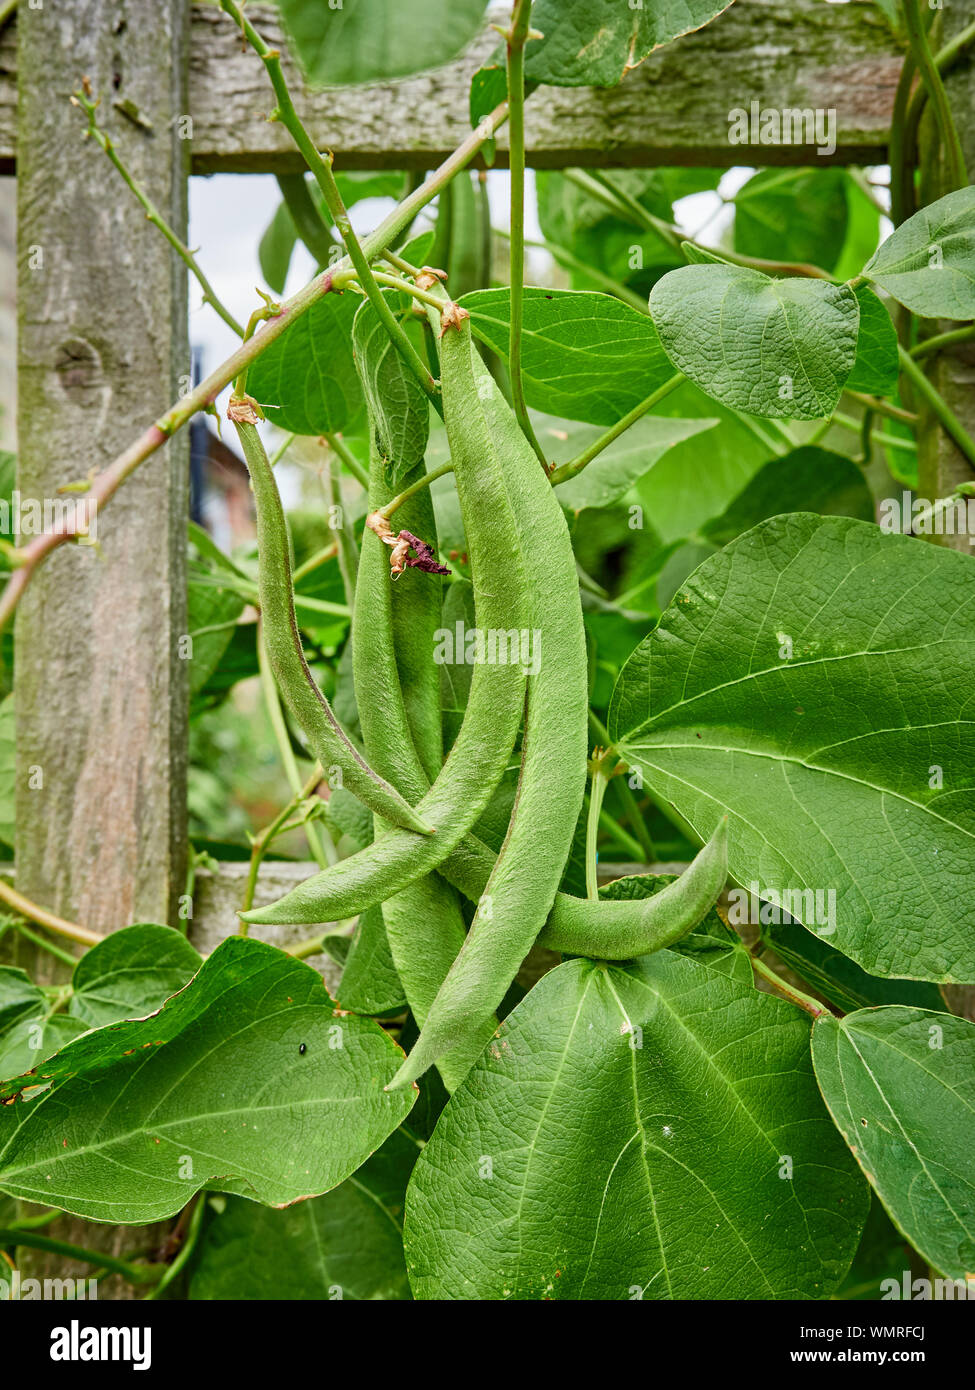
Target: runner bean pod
[487, 735]
[309, 707]
[523, 883]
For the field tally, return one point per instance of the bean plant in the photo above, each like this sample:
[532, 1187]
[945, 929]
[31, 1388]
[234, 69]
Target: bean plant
[629, 733]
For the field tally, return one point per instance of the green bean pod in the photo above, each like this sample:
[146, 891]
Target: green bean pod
[393, 638]
[308, 706]
[611, 929]
[523, 884]
[487, 735]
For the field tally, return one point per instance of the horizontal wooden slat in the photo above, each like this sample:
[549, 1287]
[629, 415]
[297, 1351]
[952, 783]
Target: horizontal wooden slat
[673, 109]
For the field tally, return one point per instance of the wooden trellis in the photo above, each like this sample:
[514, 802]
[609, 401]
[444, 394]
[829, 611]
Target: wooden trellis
[100, 688]
[102, 709]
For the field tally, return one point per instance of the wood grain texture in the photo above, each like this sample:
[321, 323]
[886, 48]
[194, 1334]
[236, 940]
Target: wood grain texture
[673, 109]
[100, 690]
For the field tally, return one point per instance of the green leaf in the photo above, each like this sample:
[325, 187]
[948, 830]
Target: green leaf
[27, 1034]
[928, 263]
[370, 984]
[594, 43]
[306, 380]
[8, 770]
[131, 974]
[876, 368]
[839, 979]
[900, 1084]
[808, 681]
[808, 479]
[584, 356]
[628, 1135]
[612, 473]
[793, 215]
[345, 1245]
[374, 40]
[211, 618]
[395, 398]
[128, 1122]
[780, 348]
[489, 88]
[276, 248]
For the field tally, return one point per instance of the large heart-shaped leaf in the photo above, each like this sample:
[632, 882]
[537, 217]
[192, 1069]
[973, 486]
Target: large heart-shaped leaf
[398, 405]
[900, 1084]
[812, 681]
[649, 1132]
[594, 43]
[585, 356]
[780, 348]
[928, 263]
[131, 973]
[248, 1077]
[345, 1245]
[306, 380]
[372, 40]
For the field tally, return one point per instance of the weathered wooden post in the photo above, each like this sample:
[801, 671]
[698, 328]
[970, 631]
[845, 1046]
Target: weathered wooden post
[100, 687]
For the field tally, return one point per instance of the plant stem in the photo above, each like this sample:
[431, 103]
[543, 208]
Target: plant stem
[623, 838]
[348, 554]
[596, 794]
[599, 277]
[65, 956]
[136, 1274]
[943, 340]
[414, 488]
[517, 36]
[210, 296]
[795, 996]
[881, 407]
[313, 562]
[891, 441]
[308, 222]
[900, 149]
[631, 810]
[186, 1249]
[106, 484]
[321, 168]
[34, 1223]
[629, 208]
[576, 465]
[944, 61]
[939, 406]
[275, 713]
[265, 838]
[338, 446]
[928, 69]
[43, 918]
[394, 282]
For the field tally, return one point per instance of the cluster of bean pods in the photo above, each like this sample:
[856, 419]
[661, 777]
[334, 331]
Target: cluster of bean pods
[425, 850]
